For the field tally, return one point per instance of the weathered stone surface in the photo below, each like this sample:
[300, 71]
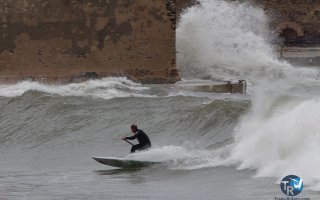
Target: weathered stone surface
[298, 21]
[182, 5]
[62, 40]
[215, 87]
[301, 56]
[65, 40]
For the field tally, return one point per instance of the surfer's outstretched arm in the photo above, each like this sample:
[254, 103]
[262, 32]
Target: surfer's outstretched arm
[131, 137]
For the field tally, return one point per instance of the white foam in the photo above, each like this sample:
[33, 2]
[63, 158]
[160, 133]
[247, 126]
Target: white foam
[227, 41]
[103, 88]
[281, 138]
[177, 157]
[281, 133]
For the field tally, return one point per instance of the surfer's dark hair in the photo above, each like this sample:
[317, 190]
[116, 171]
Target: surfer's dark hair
[133, 126]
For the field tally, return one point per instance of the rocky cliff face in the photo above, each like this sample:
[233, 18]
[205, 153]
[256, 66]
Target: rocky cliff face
[71, 40]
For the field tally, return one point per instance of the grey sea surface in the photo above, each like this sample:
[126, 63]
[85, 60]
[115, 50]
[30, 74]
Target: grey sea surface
[47, 140]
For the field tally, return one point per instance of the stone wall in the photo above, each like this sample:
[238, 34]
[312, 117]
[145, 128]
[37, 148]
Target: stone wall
[182, 5]
[72, 40]
[297, 21]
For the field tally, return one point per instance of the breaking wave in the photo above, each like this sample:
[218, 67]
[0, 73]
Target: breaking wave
[275, 132]
[106, 88]
[279, 134]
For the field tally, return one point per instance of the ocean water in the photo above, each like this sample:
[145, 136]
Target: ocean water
[213, 146]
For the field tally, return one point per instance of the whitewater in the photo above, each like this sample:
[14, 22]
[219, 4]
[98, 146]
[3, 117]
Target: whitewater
[213, 146]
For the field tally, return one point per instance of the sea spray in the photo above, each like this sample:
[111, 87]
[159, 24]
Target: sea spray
[280, 137]
[180, 158]
[105, 88]
[226, 40]
[280, 134]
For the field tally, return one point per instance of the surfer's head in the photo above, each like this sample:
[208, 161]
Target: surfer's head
[134, 128]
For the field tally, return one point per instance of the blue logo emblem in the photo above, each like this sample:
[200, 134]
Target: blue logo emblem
[291, 185]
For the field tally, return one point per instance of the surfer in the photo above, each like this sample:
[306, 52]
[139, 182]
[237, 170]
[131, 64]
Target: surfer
[143, 139]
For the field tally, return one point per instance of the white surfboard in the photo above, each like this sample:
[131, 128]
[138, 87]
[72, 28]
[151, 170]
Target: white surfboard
[123, 163]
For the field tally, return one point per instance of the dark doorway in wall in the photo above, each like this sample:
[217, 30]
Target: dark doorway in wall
[289, 35]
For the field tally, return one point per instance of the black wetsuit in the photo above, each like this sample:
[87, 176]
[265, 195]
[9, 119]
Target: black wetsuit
[144, 141]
